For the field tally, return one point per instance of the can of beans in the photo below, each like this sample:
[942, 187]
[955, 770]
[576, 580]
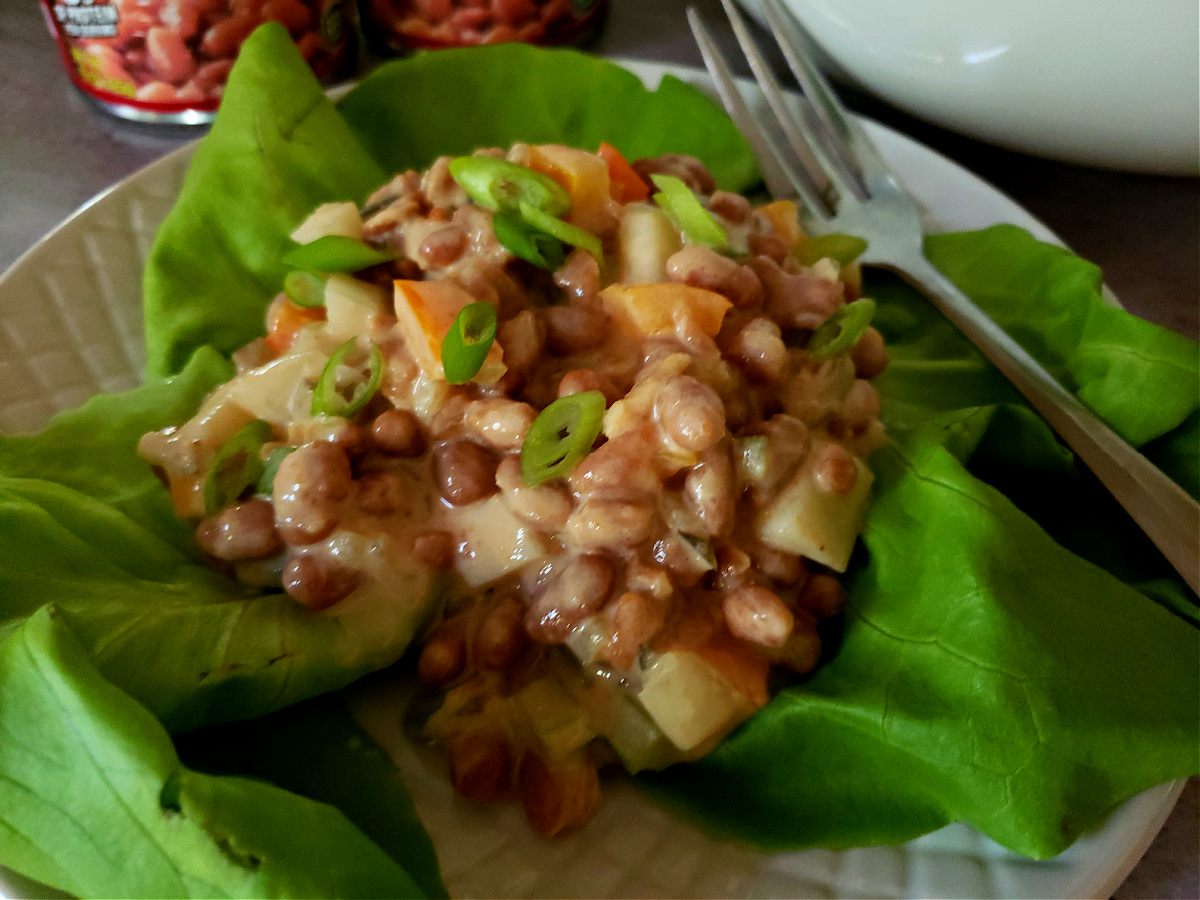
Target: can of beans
[414, 24]
[167, 60]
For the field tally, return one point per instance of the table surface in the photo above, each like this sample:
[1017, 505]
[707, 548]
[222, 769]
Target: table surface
[57, 151]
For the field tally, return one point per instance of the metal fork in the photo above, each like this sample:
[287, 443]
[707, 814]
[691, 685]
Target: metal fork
[831, 164]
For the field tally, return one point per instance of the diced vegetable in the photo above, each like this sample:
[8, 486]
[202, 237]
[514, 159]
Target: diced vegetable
[499, 184]
[236, 467]
[521, 240]
[277, 391]
[497, 542]
[585, 177]
[468, 341]
[306, 289]
[330, 397]
[330, 218]
[842, 248]
[625, 184]
[335, 253]
[559, 722]
[646, 240]
[425, 310]
[686, 210]
[284, 321]
[784, 218]
[840, 332]
[691, 701]
[561, 435]
[810, 521]
[563, 231]
[654, 308]
[351, 304]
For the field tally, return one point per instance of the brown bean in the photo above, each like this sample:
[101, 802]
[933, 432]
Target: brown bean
[514, 12]
[767, 245]
[435, 548]
[870, 355]
[481, 764]
[802, 650]
[181, 16]
[733, 208]
[691, 413]
[466, 471]
[169, 57]
[244, 531]
[620, 467]
[600, 522]
[157, 92]
[574, 328]
[834, 469]
[439, 186]
[797, 300]
[757, 615]
[576, 591]
[688, 169]
[699, 266]
[442, 247]
[635, 618]
[398, 432]
[381, 493]
[317, 583]
[560, 796]
[823, 596]
[579, 276]
[307, 488]
[224, 38]
[501, 636]
[708, 493]
[212, 74]
[783, 568]
[500, 422]
[443, 656]
[309, 45]
[760, 351]
[733, 567]
[522, 338]
[546, 506]
[291, 14]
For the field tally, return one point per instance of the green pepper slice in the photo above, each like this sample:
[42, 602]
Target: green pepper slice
[688, 213]
[564, 231]
[529, 244]
[331, 399]
[842, 248]
[466, 344]
[335, 253]
[235, 467]
[499, 184]
[840, 332]
[266, 481]
[561, 435]
[304, 288]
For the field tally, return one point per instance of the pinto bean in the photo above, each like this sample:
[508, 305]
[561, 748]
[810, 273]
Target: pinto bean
[466, 471]
[547, 506]
[757, 615]
[442, 247]
[732, 208]
[802, 650]
[800, 300]
[443, 656]
[560, 796]
[573, 328]
[870, 355]
[317, 583]
[702, 267]
[439, 186]
[635, 618]
[398, 432]
[307, 488]
[169, 57]
[501, 636]
[834, 469]
[783, 568]
[381, 493]
[435, 548]
[708, 492]
[691, 413]
[522, 338]
[291, 14]
[481, 764]
[688, 169]
[767, 245]
[579, 276]
[600, 522]
[244, 531]
[760, 351]
[618, 468]
[500, 422]
[224, 37]
[578, 590]
[823, 596]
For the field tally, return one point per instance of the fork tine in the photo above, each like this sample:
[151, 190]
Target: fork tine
[796, 45]
[776, 173]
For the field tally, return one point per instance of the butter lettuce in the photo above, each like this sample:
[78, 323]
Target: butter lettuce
[1008, 656]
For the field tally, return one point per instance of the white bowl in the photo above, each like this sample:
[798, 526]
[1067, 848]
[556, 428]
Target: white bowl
[1112, 83]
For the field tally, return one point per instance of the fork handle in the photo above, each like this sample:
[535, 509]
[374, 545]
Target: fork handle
[1168, 515]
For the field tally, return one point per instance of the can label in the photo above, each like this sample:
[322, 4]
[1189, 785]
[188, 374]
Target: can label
[403, 24]
[169, 59]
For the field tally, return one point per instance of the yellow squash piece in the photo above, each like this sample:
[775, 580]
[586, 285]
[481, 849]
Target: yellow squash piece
[645, 309]
[585, 177]
[425, 310]
[785, 219]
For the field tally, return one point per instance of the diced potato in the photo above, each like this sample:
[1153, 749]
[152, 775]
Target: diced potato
[497, 542]
[646, 240]
[820, 524]
[785, 219]
[270, 392]
[646, 309]
[330, 219]
[350, 305]
[638, 741]
[425, 310]
[691, 701]
[585, 177]
[559, 721]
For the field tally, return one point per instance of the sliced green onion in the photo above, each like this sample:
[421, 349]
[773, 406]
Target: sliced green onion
[466, 344]
[564, 231]
[842, 248]
[527, 243]
[266, 481]
[561, 435]
[700, 550]
[236, 466]
[840, 332]
[304, 288]
[499, 184]
[686, 210]
[330, 397]
[335, 253]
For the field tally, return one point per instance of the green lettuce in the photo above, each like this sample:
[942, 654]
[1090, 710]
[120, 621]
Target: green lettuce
[1003, 662]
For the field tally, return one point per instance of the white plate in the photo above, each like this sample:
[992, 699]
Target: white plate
[70, 327]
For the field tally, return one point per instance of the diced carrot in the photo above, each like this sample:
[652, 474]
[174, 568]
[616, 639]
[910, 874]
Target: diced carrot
[785, 220]
[626, 184]
[284, 321]
[585, 178]
[425, 310]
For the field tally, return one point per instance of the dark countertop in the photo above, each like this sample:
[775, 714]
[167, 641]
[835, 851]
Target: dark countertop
[57, 151]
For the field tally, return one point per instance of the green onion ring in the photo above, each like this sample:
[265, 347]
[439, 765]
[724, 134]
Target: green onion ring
[266, 481]
[499, 184]
[235, 467]
[304, 288]
[561, 435]
[329, 399]
[686, 211]
[466, 344]
[564, 231]
[527, 243]
[842, 248]
[840, 332]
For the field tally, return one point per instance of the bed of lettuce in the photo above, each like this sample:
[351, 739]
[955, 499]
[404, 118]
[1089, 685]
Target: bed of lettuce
[1015, 655]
